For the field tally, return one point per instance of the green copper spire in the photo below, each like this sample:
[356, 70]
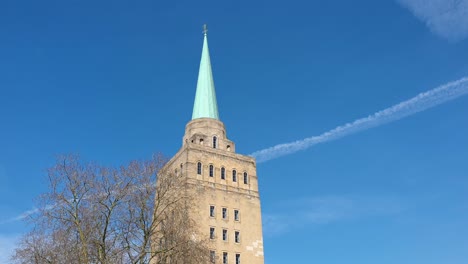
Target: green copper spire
[205, 98]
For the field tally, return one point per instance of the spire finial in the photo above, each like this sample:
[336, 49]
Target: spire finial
[205, 29]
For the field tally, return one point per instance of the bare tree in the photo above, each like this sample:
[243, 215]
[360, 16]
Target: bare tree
[98, 214]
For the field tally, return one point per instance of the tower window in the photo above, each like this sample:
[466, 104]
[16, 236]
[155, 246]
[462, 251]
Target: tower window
[236, 215]
[246, 178]
[228, 148]
[212, 233]
[215, 142]
[225, 213]
[199, 168]
[201, 141]
[234, 176]
[211, 171]
[237, 237]
[212, 211]
[225, 258]
[223, 173]
[212, 256]
[225, 235]
[238, 258]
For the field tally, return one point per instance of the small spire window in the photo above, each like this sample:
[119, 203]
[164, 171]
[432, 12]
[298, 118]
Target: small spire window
[215, 142]
[223, 173]
[234, 175]
[199, 168]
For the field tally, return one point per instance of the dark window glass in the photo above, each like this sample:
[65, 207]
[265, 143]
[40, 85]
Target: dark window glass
[211, 171]
[225, 258]
[238, 258]
[215, 142]
[246, 178]
[237, 237]
[212, 256]
[236, 215]
[199, 168]
[212, 233]
[223, 173]
[224, 213]
[225, 236]
[234, 176]
[212, 211]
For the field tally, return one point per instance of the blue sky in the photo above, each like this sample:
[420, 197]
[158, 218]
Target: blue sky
[115, 81]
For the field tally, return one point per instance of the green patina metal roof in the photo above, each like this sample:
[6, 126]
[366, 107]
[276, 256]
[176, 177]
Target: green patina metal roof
[205, 98]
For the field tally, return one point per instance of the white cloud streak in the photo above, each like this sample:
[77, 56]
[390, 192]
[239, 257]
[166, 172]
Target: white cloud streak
[421, 102]
[317, 211]
[21, 216]
[446, 18]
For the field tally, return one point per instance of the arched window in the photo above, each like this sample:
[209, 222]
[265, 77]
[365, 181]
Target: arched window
[211, 171]
[234, 175]
[215, 142]
[228, 148]
[246, 178]
[199, 168]
[223, 173]
[201, 141]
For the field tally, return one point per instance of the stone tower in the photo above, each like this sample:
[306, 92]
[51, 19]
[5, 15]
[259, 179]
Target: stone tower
[227, 202]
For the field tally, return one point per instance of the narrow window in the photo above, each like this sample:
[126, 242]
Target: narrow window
[225, 235]
[211, 171]
[228, 148]
[212, 233]
[234, 176]
[212, 256]
[212, 211]
[246, 178]
[238, 258]
[215, 142]
[223, 173]
[225, 258]
[201, 141]
[237, 237]
[199, 168]
[236, 215]
[224, 213]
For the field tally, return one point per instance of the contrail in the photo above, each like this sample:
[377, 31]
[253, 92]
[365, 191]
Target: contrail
[421, 102]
